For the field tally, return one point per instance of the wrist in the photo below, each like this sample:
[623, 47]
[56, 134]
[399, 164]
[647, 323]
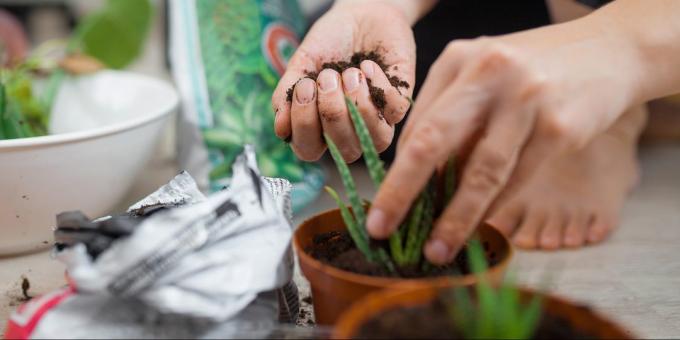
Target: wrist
[410, 10]
[649, 42]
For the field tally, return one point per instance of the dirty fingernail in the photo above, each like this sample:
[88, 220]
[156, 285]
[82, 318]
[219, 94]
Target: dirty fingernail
[375, 222]
[327, 81]
[305, 91]
[437, 251]
[367, 68]
[350, 79]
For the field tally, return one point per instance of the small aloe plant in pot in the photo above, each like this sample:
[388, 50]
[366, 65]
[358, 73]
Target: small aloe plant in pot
[406, 244]
[485, 312]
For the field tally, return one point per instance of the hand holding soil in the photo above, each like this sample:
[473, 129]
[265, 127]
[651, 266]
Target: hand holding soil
[362, 50]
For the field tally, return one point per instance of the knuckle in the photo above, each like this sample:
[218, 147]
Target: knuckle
[559, 130]
[306, 154]
[533, 87]
[456, 47]
[487, 173]
[391, 198]
[350, 153]
[332, 113]
[397, 112]
[304, 122]
[451, 233]
[423, 143]
[492, 159]
[383, 141]
[496, 55]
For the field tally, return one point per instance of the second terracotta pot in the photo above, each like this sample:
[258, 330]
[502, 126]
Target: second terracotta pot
[587, 321]
[334, 290]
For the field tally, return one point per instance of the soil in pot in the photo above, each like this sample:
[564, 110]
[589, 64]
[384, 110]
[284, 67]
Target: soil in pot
[337, 249]
[433, 322]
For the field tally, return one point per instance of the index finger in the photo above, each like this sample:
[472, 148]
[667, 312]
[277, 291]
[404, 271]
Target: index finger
[429, 144]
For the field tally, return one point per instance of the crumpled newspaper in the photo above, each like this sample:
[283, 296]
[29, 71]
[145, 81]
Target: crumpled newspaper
[179, 265]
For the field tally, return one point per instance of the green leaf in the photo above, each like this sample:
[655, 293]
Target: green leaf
[449, 181]
[351, 224]
[115, 35]
[350, 188]
[414, 221]
[397, 246]
[530, 318]
[375, 166]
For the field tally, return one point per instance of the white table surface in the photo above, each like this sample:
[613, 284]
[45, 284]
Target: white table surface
[634, 277]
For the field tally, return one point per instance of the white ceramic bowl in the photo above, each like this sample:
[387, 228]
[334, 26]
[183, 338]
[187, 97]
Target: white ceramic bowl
[104, 129]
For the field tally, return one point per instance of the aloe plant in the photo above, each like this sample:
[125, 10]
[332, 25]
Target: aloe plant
[492, 313]
[405, 244]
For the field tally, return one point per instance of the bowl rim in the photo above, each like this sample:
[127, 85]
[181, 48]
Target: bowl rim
[70, 137]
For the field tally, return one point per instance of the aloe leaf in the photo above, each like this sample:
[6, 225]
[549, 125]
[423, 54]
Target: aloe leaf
[397, 247]
[530, 318]
[485, 293]
[384, 259]
[425, 225]
[350, 187]
[375, 166]
[463, 312]
[414, 221]
[449, 180]
[352, 227]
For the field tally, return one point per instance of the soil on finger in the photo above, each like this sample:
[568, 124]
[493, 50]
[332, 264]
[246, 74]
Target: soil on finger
[377, 94]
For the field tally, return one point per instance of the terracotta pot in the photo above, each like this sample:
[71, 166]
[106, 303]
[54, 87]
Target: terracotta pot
[334, 290]
[579, 317]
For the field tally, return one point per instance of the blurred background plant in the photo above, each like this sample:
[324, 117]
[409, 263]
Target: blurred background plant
[110, 37]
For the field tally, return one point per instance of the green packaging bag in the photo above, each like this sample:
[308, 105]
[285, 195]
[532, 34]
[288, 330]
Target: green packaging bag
[226, 57]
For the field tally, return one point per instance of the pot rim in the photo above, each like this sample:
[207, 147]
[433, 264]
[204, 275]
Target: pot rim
[380, 282]
[354, 317]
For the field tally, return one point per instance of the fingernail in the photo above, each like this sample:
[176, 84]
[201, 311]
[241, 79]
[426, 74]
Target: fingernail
[375, 222]
[350, 79]
[305, 91]
[437, 251]
[328, 81]
[367, 68]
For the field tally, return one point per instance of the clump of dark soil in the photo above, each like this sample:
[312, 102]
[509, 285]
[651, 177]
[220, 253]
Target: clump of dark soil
[377, 94]
[25, 286]
[433, 322]
[307, 299]
[338, 249]
[289, 93]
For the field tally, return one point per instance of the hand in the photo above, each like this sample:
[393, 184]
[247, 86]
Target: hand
[318, 107]
[528, 95]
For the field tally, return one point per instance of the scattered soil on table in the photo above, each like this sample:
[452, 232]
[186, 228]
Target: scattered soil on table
[19, 293]
[433, 322]
[337, 249]
[377, 94]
